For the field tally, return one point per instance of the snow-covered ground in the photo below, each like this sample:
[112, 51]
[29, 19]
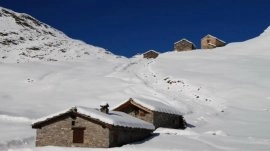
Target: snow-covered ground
[224, 94]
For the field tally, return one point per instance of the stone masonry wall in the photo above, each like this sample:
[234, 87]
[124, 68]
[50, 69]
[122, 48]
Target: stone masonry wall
[183, 46]
[166, 120]
[139, 113]
[158, 119]
[205, 42]
[121, 136]
[60, 133]
[150, 54]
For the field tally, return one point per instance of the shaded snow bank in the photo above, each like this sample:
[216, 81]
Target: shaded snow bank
[169, 131]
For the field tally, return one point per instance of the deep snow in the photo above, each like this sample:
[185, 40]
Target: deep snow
[223, 93]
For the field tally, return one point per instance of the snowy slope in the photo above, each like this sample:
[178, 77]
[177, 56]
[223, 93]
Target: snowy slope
[24, 39]
[223, 94]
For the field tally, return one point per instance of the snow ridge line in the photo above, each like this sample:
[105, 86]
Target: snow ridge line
[17, 119]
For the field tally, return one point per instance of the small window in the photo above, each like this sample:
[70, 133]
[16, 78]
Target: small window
[78, 135]
[208, 41]
[73, 123]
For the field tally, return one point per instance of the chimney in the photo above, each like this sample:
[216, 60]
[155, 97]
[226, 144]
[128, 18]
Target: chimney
[104, 107]
[73, 109]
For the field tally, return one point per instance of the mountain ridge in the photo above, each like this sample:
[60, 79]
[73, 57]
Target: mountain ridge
[24, 39]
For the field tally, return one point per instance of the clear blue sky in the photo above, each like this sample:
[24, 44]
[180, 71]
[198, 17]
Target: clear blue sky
[127, 27]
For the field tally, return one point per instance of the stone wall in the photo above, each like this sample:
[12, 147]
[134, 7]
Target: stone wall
[158, 119]
[208, 39]
[168, 120]
[205, 42]
[60, 133]
[183, 46]
[121, 136]
[138, 113]
[150, 54]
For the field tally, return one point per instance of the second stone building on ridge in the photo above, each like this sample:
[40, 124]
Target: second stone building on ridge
[157, 113]
[184, 45]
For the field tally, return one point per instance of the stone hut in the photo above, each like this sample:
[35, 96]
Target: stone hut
[210, 42]
[89, 127]
[184, 45]
[161, 115]
[150, 54]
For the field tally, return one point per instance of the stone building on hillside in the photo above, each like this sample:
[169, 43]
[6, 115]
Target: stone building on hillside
[161, 115]
[150, 54]
[88, 127]
[184, 45]
[210, 42]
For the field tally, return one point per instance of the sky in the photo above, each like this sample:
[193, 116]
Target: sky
[129, 27]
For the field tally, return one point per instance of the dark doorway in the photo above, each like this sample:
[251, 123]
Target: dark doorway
[78, 134]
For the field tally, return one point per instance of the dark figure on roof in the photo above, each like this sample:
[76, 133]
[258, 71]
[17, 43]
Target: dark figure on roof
[104, 108]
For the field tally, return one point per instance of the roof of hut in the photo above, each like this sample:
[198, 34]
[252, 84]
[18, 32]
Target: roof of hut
[153, 106]
[214, 38]
[114, 118]
[184, 39]
[151, 51]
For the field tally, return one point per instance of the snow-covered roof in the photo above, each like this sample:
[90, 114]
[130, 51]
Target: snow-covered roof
[151, 51]
[153, 106]
[214, 38]
[184, 39]
[114, 118]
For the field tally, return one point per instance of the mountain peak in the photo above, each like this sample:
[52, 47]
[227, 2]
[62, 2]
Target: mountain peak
[11, 20]
[24, 39]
